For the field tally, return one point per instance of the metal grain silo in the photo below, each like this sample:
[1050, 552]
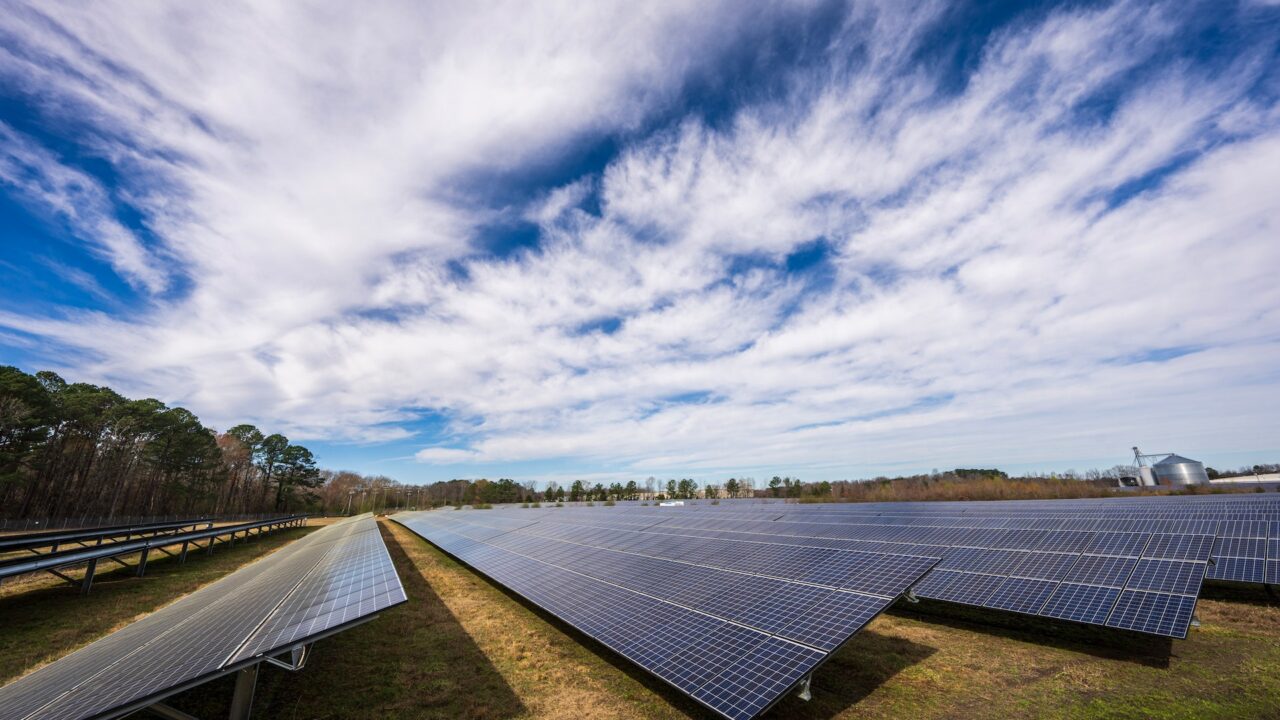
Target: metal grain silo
[1177, 470]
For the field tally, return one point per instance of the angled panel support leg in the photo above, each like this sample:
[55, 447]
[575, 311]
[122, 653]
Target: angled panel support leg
[242, 701]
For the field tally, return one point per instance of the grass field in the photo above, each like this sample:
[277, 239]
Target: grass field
[463, 648]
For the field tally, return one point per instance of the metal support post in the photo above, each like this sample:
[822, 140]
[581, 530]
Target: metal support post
[1195, 620]
[911, 596]
[242, 701]
[87, 582]
[804, 693]
[142, 561]
[182, 558]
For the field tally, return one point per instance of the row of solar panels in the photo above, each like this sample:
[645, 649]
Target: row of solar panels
[735, 639]
[334, 578]
[89, 555]
[1142, 581]
[81, 536]
[1244, 551]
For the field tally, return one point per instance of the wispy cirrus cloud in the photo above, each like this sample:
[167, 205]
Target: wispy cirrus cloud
[895, 253]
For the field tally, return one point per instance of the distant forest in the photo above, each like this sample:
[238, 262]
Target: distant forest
[75, 449]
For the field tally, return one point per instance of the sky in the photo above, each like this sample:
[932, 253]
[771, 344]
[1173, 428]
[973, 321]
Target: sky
[606, 240]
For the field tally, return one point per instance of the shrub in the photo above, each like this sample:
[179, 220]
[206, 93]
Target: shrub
[559, 504]
[524, 505]
[537, 504]
[609, 503]
[590, 504]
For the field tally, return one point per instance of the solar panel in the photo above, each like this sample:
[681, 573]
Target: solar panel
[1021, 595]
[1101, 570]
[1033, 540]
[1238, 569]
[1152, 612]
[1172, 576]
[732, 623]
[1081, 603]
[334, 577]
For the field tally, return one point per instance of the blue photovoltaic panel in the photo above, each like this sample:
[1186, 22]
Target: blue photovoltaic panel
[1172, 576]
[1045, 566]
[1022, 595]
[1154, 613]
[1242, 529]
[1237, 569]
[1240, 547]
[1101, 570]
[958, 587]
[751, 686]
[1123, 544]
[842, 614]
[1081, 603]
[1179, 547]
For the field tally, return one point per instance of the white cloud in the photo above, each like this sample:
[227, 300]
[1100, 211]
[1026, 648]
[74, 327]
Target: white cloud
[78, 200]
[985, 304]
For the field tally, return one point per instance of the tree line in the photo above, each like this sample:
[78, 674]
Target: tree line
[77, 449]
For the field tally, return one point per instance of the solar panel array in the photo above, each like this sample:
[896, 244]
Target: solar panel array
[1133, 564]
[734, 624]
[331, 579]
[80, 554]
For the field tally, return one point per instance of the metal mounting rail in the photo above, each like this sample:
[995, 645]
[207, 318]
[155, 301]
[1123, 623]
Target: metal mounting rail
[52, 562]
[56, 538]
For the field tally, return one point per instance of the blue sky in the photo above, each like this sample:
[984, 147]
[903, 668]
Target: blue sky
[553, 241]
